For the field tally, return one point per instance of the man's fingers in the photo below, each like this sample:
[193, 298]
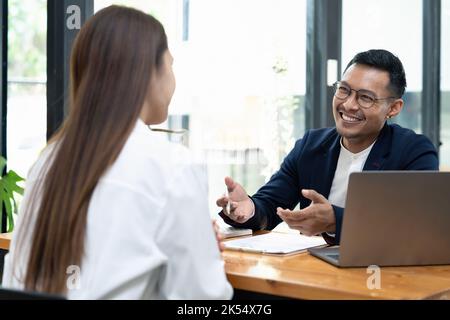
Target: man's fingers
[314, 196]
[236, 212]
[229, 182]
[285, 211]
[289, 215]
[300, 215]
[222, 202]
[308, 212]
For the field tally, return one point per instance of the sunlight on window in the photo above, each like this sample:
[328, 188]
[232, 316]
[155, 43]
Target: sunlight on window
[27, 101]
[240, 69]
[366, 24]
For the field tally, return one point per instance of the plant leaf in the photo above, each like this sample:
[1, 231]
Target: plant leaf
[16, 175]
[2, 164]
[10, 221]
[2, 195]
[6, 200]
[9, 186]
[11, 179]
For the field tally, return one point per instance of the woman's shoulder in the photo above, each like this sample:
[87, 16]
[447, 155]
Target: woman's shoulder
[154, 149]
[149, 159]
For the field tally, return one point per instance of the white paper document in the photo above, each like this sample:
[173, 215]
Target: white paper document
[275, 243]
[230, 232]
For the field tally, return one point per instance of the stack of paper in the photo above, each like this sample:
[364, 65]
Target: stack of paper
[275, 243]
[229, 231]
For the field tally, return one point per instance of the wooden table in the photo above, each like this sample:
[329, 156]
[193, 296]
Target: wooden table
[303, 276]
[5, 240]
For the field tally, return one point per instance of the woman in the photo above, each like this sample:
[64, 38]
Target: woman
[111, 209]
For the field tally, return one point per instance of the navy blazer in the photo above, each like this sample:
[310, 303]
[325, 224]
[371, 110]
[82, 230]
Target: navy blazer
[312, 164]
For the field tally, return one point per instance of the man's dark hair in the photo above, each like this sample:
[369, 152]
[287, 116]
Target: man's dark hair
[386, 61]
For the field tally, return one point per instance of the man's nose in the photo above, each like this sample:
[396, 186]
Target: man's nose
[352, 102]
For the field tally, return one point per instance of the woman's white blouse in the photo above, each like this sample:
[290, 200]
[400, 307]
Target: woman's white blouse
[149, 234]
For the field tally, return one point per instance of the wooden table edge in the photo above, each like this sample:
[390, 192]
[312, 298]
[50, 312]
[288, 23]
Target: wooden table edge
[5, 240]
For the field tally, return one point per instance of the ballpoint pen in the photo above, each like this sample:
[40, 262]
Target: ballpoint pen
[228, 207]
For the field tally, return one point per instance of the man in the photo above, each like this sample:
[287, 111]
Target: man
[316, 172]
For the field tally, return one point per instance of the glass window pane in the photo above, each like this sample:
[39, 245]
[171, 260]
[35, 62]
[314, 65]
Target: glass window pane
[395, 26]
[240, 69]
[27, 73]
[445, 86]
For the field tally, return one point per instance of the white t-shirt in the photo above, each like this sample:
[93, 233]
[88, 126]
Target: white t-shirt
[348, 162]
[149, 234]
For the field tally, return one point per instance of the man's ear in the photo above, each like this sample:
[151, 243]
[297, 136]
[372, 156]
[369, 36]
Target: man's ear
[395, 108]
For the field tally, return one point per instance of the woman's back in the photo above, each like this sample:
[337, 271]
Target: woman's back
[148, 231]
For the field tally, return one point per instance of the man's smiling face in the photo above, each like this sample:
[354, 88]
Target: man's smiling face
[361, 126]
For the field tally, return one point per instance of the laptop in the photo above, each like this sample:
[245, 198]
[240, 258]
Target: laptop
[394, 218]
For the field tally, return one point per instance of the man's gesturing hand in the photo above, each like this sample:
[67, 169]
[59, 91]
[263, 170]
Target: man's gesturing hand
[318, 217]
[241, 206]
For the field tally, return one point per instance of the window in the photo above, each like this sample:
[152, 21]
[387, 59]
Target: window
[240, 69]
[395, 26]
[445, 85]
[27, 103]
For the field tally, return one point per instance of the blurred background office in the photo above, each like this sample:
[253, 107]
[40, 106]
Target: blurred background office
[252, 75]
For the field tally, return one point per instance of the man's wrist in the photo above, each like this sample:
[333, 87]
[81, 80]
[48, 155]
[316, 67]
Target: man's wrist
[331, 229]
[253, 210]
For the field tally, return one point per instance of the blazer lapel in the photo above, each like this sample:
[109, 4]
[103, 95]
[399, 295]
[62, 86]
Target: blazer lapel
[328, 155]
[326, 164]
[380, 150]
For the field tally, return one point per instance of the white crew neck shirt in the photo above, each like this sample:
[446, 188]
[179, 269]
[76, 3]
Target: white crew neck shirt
[348, 162]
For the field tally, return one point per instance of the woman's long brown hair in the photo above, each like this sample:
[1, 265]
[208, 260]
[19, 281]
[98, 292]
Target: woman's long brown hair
[113, 59]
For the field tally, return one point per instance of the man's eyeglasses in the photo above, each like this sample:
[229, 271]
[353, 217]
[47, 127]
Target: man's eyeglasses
[365, 98]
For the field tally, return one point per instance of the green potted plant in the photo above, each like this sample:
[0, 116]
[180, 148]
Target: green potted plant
[9, 189]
